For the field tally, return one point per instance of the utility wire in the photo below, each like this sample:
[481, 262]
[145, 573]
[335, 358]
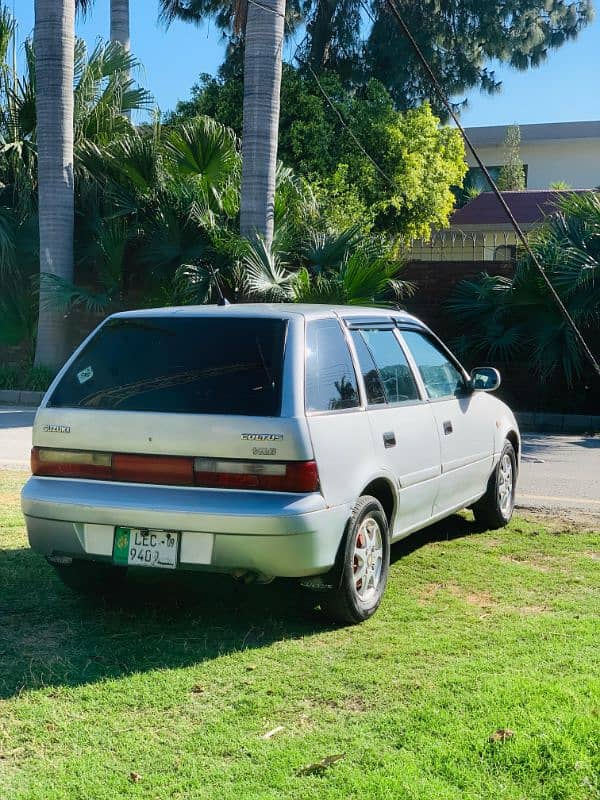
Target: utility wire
[437, 86]
[266, 8]
[338, 113]
[345, 125]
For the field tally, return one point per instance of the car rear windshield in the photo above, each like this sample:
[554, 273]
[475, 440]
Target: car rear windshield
[187, 365]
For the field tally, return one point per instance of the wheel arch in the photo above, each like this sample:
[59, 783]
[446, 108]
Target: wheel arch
[513, 438]
[382, 489]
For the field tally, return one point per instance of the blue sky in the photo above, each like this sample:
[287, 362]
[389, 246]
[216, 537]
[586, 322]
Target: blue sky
[564, 88]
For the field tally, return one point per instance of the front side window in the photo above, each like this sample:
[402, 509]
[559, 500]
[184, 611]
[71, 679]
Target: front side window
[398, 382]
[330, 379]
[440, 376]
[179, 364]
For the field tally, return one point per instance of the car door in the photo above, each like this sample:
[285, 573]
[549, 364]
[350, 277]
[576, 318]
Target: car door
[402, 424]
[464, 424]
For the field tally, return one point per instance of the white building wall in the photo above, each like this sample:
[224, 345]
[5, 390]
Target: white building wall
[575, 161]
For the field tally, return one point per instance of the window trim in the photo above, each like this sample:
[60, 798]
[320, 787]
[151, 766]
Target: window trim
[361, 397]
[369, 323]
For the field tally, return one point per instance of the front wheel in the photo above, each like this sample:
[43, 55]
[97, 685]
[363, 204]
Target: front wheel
[496, 507]
[364, 566]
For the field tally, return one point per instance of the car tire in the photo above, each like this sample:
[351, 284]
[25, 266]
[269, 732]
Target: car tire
[90, 577]
[496, 507]
[366, 550]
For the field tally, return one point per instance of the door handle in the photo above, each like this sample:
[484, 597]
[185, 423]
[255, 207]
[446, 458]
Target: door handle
[389, 439]
[448, 427]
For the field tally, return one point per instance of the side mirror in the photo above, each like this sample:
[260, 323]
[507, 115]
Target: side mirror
[485, 379]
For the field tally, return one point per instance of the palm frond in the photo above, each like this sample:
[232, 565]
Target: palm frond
[203, 149]
[61, 295]
[328, 251]
[265, 273]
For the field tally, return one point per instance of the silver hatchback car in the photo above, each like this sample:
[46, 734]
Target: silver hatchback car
[263, 441]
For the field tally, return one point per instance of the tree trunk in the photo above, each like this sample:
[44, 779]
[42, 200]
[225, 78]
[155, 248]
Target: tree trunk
[262, 81]
[54, 51]
[119, 28]
[119, 22]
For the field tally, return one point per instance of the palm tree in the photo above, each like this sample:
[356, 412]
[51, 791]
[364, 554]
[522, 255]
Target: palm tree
[516, 318]
[119, 22]
[262, 81]
[263, 25]
[54, 42]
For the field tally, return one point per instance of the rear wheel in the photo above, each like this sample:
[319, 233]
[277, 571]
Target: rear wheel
[365, 561]
[496, 507]
[89, 577]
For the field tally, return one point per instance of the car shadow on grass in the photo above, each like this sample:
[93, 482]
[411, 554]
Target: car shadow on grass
[50, 636]
[454, 527]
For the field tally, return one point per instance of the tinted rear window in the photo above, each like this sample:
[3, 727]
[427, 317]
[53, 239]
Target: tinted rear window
[330, 379]
[181, 365]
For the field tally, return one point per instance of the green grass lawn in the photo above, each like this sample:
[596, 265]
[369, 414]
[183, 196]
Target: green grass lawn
[168, 691]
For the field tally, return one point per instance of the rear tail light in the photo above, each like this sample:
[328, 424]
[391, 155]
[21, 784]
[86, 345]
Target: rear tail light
[174, 470]
[273, 476]
[289, 476]
[71, 463]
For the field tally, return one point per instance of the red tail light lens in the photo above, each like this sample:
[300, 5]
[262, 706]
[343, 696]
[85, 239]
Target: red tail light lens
[71, 463]
[174, 470]
[289, 476]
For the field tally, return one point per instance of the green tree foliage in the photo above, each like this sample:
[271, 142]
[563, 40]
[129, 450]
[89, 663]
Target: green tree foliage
[517, 318]
[459, 37]
[103, 91]
[421, 161]
[157, 213]
[512, 173]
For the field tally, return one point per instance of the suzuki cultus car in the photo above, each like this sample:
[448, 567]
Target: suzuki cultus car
[263, 441]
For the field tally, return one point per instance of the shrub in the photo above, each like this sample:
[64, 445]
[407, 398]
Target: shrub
[34, 379]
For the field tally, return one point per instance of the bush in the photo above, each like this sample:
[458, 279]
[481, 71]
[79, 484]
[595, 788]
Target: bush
[25, 378]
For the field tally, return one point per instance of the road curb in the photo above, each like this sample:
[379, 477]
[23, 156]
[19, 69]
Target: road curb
[541, 422]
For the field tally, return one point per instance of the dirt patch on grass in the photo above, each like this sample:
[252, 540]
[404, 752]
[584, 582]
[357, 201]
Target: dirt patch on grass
[537, 561]
[470, 596]
[429, 591]
[473, 598]
[10, 499]
[481, 600]
[562, 521]
[591, 554]
[354, 703]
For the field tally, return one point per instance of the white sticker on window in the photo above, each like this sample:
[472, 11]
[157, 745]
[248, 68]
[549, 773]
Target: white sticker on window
[85, 375]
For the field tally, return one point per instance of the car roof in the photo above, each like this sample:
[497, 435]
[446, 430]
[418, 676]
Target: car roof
[277, 310]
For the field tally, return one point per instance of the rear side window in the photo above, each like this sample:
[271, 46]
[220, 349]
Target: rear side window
[188, 365]
[370, 373]
[330, 379]
[440, 376]
[398, 382]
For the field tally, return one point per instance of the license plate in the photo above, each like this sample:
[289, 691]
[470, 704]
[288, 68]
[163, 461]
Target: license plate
[144, 547]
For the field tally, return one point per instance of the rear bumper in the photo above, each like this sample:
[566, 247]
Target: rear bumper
[285, 535]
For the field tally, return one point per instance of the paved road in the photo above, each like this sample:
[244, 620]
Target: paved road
[558, 472]
[15, 437]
